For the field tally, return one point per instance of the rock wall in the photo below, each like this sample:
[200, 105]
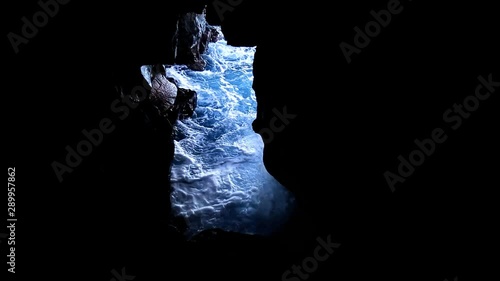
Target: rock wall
[191, 39]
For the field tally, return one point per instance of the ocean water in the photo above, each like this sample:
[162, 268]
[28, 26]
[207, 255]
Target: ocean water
[218, 177]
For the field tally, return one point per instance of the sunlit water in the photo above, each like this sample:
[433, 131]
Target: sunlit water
[218, 177]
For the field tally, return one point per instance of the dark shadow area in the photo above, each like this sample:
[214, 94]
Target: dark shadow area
[353, 121]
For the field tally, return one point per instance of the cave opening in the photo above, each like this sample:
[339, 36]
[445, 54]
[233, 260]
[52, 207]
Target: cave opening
[218, 178]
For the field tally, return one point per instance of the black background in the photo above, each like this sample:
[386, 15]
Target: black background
[353, 120]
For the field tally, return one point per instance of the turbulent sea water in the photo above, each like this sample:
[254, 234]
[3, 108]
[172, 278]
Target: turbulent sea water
[218, 177]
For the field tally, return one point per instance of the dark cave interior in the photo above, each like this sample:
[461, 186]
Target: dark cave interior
[353, 121]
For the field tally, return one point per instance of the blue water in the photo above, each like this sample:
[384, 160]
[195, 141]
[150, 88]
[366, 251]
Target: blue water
[218, 177]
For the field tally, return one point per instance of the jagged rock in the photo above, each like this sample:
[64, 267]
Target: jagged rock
[169, 99]
[211, 35]
[214, 35]
[185, 103]
[191, 39]
[163, 93]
